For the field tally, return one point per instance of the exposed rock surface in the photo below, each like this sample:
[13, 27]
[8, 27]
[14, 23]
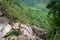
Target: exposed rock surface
[4, 26]
[27, 32]
[41, 33]
[16, 25]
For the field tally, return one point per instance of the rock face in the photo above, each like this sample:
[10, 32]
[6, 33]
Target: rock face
[41, 33]
[26, 30]
[6, 29]
[16, 25]
[4, 26]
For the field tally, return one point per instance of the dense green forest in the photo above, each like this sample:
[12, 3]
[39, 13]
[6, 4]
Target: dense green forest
[41, 13]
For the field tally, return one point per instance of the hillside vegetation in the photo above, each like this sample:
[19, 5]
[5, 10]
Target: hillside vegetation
[40, 13]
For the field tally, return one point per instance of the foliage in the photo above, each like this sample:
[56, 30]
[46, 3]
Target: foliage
[13, 33]
[10, 7]
[25, 12]
[33, 12]
[54, 7]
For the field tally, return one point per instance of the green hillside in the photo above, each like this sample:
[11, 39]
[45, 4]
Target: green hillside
[34, 12]
[21, 10]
